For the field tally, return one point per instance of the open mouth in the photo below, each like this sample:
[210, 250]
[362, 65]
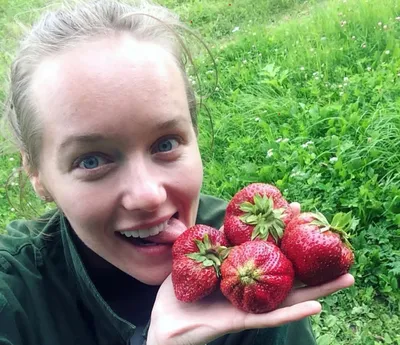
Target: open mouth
[144, 242]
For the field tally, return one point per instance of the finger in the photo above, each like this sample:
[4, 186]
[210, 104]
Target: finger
[296, 208]
[314, 292]
[281, 316]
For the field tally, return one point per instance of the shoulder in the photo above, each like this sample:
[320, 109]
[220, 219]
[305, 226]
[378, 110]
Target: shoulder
[24, 247]
[211, 211]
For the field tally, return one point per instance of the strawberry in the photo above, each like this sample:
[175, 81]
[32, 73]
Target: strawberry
[319, 251]
[258, 211]
[196, 258]
[256, 277]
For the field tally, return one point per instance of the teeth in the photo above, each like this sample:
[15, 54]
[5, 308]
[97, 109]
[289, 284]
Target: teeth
[143, 233]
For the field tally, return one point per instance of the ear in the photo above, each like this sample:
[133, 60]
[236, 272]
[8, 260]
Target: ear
[34, 177]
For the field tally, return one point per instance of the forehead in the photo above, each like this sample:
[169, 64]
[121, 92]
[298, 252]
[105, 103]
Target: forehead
[109, 76]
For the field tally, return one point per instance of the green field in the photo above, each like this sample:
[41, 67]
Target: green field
[307, 98]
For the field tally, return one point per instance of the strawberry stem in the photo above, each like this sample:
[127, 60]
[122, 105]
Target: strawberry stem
[208, 254]
[341, 223]
[266, 220]
[248, 273]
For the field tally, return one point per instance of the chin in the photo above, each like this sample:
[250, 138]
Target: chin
[153, 276]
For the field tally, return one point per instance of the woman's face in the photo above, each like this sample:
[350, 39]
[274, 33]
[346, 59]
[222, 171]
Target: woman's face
[119, 153]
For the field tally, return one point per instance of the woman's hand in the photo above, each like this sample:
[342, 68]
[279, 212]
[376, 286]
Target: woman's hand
[178, 323]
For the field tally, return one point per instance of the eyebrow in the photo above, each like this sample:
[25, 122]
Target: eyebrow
[95, 137]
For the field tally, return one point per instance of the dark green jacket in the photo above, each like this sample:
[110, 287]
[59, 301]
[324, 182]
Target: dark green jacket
[47, 297]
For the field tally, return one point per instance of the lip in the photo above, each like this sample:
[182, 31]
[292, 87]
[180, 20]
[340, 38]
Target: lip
[147, 225]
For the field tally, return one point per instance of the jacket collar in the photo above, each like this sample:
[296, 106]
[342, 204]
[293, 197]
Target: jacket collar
[108, 326]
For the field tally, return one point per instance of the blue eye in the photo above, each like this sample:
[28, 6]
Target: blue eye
[167, 145]
[91, 162]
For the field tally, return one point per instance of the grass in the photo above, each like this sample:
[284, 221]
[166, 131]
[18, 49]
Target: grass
[308, 98]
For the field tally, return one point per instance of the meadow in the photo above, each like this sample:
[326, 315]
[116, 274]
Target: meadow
[301, 94]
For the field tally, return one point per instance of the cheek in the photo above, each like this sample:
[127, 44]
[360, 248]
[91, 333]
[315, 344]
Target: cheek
[189, 184]
[191, 177]
[85, 206]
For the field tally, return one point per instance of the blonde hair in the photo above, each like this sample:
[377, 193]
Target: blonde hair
[61, 29]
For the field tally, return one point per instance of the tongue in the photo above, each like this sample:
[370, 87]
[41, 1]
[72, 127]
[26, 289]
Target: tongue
[174, 228]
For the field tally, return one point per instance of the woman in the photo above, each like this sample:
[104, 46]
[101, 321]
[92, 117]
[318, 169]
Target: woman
[105, 119]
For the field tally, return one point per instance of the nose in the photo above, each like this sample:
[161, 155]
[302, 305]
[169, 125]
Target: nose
[143, 189]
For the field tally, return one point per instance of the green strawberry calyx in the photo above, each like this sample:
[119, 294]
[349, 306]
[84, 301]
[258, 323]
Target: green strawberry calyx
[209, 255]
[249, 273]
[340, 224]
[265, 218]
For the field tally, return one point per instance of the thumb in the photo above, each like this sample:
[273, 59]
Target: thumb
[295, 206]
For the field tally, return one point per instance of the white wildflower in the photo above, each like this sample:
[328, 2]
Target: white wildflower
[257, 119]
[297, 173]
[308, 143]
[345, 79]
[270, 153]
[235, 29]
[387, 52]
[333, 159]
[11, 159]
[278, 140]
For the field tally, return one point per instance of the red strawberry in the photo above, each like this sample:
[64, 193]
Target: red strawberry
[256, 276]
[319, 251]
[258, 211]
[197, 254]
